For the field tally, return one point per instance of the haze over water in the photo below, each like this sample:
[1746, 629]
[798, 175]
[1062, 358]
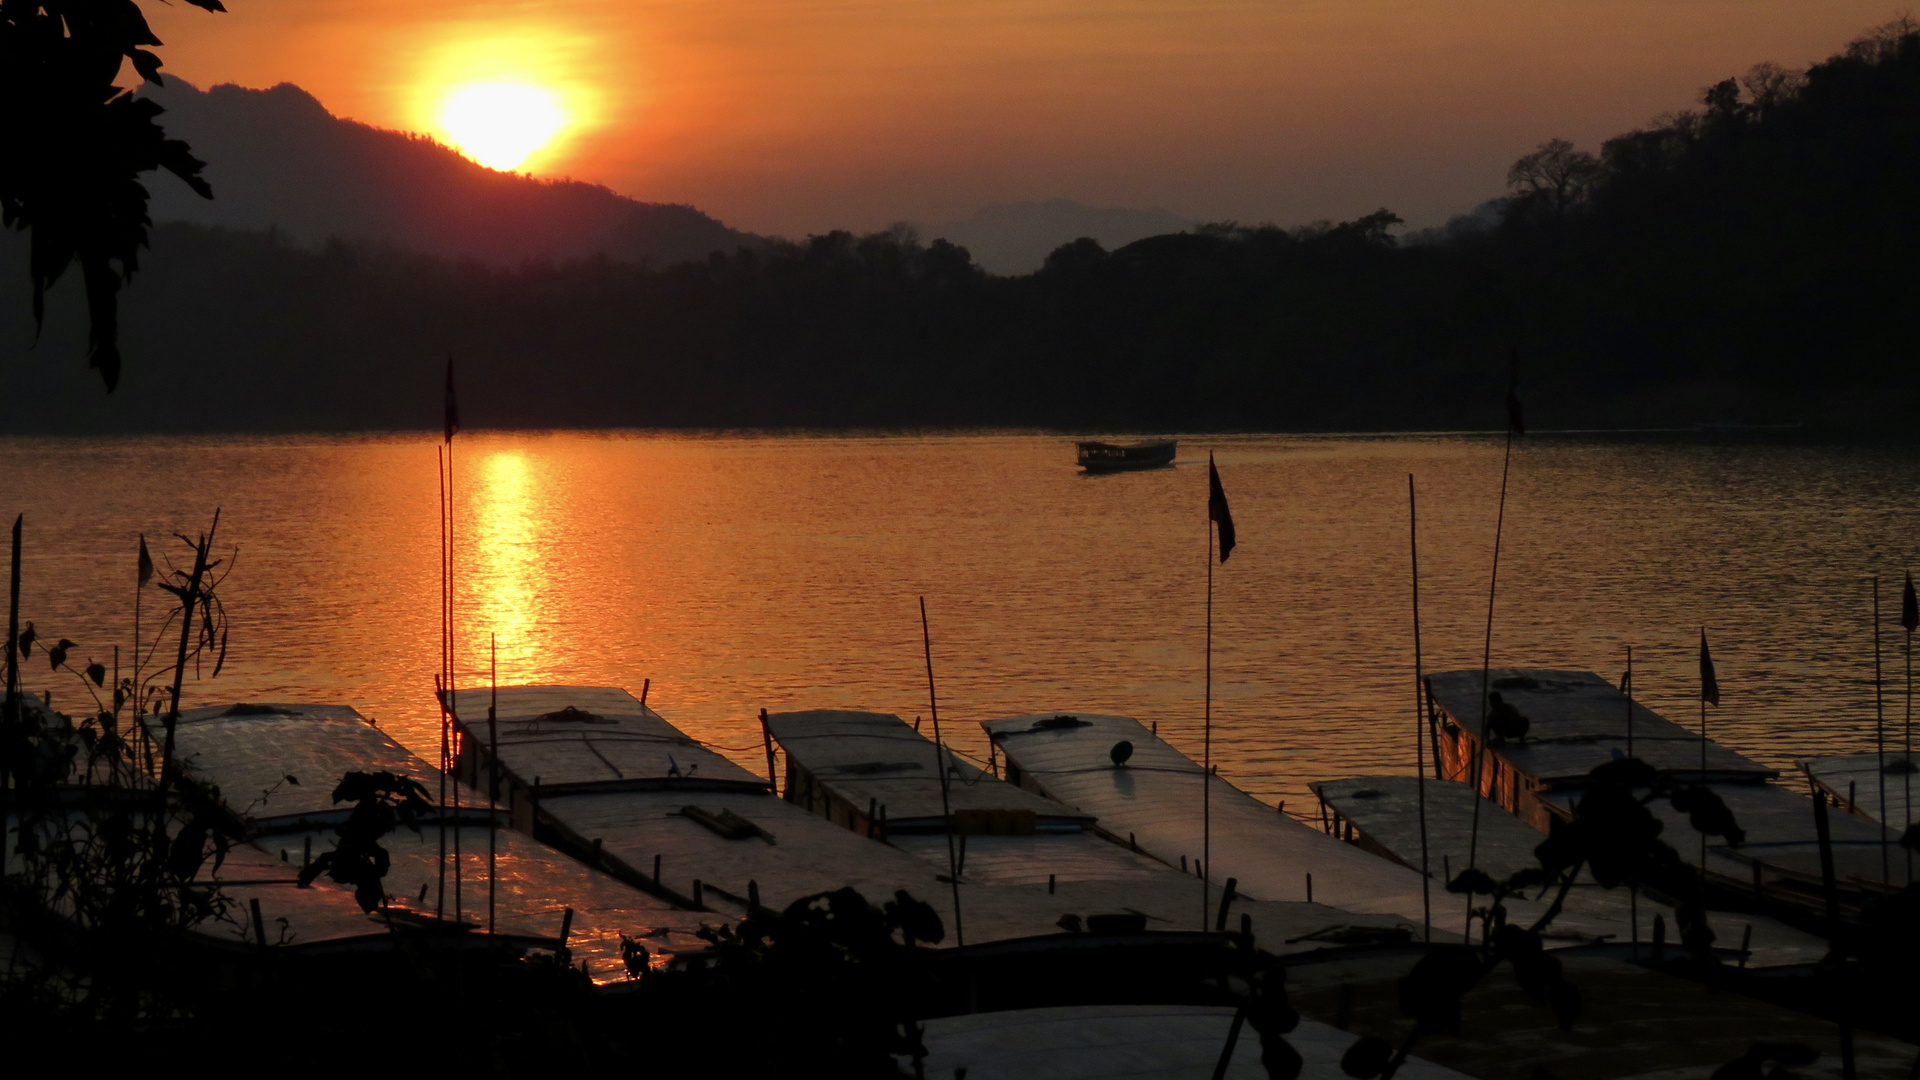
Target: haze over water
[782, 572]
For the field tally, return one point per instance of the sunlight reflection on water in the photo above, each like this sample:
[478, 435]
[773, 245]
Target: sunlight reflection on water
[742, 572]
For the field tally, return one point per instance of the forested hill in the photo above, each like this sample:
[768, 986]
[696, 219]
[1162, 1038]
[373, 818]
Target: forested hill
[277, 159]
[1752, 260]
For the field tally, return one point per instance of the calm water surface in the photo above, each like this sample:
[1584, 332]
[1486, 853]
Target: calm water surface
[782, 572]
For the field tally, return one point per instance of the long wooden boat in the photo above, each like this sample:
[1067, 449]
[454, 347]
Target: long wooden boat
[276, 767]
[874, 773]
[1152, 802]
[618, 786]
[1578, 720]
[1113, 457]
[1383, 814]
[1855, 783]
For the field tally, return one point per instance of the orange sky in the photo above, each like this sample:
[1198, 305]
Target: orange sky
[796, 116]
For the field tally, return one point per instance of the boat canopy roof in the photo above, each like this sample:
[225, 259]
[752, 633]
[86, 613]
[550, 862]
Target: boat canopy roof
[249, 752]
[582, 738]
[867, 757]
[1579, 721]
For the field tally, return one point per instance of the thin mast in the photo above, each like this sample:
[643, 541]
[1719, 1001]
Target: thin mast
[1880, 738]
[453, 711]
[1206, 763]
[1419, 736]
[940, 763]
[440, 890]
[493, 768]
[1486, 657]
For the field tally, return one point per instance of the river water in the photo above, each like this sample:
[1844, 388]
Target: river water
[784, 572]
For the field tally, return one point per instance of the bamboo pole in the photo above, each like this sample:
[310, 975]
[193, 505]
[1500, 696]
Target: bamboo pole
[1486, 668]
[1633, 889]
[939, 762]
[1206, 764]
[1419, 737]
[493, 769]
[1880, 737]
[11, 714]
[441, 685]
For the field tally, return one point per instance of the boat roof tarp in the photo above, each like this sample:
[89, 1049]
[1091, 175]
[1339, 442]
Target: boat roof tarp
[1155, 799]
[1579, 721]
[249, 751]
[1386, 811]
[867, 757]
[1780, 836]
[585, 738]
[1857, 778]
[1139, 1042]
[244, 748]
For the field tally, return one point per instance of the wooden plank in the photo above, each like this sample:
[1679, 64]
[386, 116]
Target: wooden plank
[1153, 801]
[584, 738]
[867, 759]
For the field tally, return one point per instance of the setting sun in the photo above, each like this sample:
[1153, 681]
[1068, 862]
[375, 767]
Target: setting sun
[501, 124]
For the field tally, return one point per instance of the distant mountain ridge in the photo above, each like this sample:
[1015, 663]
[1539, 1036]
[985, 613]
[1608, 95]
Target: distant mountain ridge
[278, 159]
[1016, 238]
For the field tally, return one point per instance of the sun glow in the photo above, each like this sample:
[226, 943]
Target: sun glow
[501, 124]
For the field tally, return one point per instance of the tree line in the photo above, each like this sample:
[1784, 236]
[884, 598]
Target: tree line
[1749, 260]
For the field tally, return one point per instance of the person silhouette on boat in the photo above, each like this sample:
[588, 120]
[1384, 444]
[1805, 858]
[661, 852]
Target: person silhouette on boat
[1506, 721]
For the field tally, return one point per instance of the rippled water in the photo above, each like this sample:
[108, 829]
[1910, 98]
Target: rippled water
[782, 572]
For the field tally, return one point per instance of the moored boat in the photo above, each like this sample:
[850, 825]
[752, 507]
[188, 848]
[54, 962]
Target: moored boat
[1112, 457]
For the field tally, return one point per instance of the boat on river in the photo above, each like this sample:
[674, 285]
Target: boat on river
[1113, 457]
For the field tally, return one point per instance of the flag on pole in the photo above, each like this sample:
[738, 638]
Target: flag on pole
[1910, 607]
[1217, 509]
[146, 562]
[1709, 684]
[453, 405]
[1516, 423]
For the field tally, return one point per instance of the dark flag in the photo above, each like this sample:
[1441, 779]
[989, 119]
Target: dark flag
[1910, 607]
[1516, 424]
[146, 561]
[1217, 509]
[453, 405]
[1709, 684]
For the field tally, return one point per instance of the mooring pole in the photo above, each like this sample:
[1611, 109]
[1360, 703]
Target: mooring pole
[1419, 713]
[940, 763]
[493, 770]
[1880, 738]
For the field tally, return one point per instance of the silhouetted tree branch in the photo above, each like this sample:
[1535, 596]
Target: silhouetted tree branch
[75, 144]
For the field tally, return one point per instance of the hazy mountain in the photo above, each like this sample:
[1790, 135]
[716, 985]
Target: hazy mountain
[277, 158]
[1015, 238]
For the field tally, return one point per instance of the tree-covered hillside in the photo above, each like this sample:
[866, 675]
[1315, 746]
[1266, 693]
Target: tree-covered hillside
[1752, 260]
